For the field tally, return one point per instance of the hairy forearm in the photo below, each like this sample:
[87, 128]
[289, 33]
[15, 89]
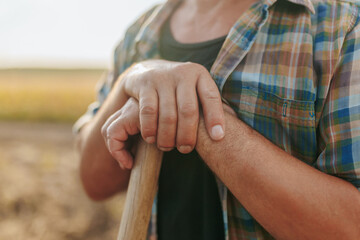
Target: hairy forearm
[100, 173]
[288, 198]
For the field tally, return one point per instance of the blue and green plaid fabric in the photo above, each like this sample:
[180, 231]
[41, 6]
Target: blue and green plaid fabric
[291, 70]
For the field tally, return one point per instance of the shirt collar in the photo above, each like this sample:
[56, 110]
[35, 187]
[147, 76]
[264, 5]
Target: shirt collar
[149, 31]
[306, 3]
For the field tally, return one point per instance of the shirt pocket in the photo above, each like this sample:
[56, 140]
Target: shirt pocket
[287, 122]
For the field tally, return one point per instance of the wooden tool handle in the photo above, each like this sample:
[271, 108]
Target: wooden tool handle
[141, 192]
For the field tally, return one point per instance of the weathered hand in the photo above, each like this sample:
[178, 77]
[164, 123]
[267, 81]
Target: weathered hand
[117, 131]
[168, 94]
[121, 126]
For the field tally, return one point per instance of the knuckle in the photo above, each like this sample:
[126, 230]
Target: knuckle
[212, 95]
[148, 110]
[169, 118]
[188, 110]
[186, 67]
[132, 128]
[151, 79]
[148, 130]
[198, 69]
[189, 65]
[131, 101]
[146, 82]
[151, 72]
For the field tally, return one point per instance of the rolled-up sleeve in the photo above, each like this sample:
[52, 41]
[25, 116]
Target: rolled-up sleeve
[103, 88]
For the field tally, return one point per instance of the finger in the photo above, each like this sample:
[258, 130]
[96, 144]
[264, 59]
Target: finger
[130, 117]
[115, 142]
[148, 115]
[118, 132]
[130, 110]
[188, 116]
[211, 104]
[120, 154]
[108, 122]
[167, 118]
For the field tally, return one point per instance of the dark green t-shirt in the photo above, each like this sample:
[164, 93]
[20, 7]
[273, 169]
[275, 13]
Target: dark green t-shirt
[188, 199]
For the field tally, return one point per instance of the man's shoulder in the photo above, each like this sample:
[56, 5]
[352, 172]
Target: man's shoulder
[354, 2]
[124, 47]
[341, 3]
[336, 14]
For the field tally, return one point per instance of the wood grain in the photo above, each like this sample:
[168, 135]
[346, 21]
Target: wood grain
[141, 192]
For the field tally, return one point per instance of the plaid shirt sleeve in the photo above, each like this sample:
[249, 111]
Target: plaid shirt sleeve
[339, 125]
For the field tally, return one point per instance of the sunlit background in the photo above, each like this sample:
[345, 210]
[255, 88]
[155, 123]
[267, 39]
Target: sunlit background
[66, 33]
[52, 53]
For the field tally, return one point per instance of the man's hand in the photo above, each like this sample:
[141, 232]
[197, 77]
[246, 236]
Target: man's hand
[121, 126]
[168, 94]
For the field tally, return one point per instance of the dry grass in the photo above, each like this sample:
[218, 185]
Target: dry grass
[41, 197]
[46, 95]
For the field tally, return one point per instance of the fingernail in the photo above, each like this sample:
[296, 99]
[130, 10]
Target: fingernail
[165, 149]
[217, 132]
[185, 149]
[150, 139]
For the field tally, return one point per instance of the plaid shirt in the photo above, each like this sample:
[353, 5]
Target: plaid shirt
[291, 70]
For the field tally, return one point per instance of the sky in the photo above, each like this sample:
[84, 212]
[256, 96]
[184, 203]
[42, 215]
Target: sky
[64, 33]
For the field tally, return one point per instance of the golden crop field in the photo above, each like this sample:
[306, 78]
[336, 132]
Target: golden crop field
[46, 95]
[41, 196]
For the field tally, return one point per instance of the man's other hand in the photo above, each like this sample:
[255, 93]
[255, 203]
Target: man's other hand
[117, 130]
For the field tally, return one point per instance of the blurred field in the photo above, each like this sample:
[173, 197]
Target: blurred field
[41, 196]
[46, 95]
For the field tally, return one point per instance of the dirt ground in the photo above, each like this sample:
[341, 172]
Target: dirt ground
[40, 192]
